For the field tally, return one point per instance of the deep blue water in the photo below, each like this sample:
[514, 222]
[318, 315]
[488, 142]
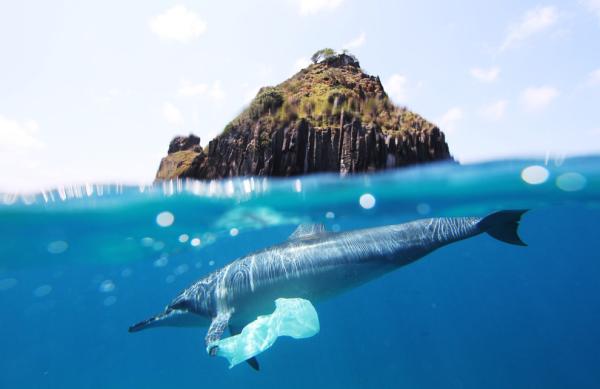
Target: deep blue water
[78, 265]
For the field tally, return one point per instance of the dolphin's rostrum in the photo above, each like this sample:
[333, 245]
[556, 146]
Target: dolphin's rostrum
[315, 264]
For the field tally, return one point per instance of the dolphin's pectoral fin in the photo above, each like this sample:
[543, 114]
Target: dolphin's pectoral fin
[215, 331]
[307, 230]
[253, 362]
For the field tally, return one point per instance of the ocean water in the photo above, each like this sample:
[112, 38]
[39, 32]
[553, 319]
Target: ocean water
[78, 265]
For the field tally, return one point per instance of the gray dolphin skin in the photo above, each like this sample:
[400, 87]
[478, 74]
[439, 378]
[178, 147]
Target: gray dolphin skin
[315, 264]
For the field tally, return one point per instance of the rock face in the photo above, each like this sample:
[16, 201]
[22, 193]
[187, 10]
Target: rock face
[300, 149]
[330, 117]
[183, 150]
[180, 143]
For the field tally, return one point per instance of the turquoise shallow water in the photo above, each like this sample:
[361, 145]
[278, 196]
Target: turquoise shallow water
[78, 265]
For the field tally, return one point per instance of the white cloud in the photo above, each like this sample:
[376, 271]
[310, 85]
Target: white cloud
[449, 120]
[189, 89]
[356, 42]
[533, 22]
[537, 98]
[594, 131]
[397, 87]
[214, 91]
[264, 70]
[172, 114]
[486, 75]
[301, 63]
[113, 94]
[494, 111]
[178, 24]
[19, 135]
[594, 77]
[593, 6]
[313, 6]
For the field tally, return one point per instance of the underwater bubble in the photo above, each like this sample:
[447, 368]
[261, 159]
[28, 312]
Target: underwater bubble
[183, 238]
[234, 232]
[198, 265]
[28, 199]
[229, 188]
[58, 247]
[165, 219]
[170, 279]
[209, 238]
[89, 189]
[330, 215]
[247, 186]
[571, 182]
[8, 283]
[535, 174]
[335, 228]
[106, 286]
[126, 272]
[298, 185]
[211, 263]
[9, 199]
[97, 278]
[158, 246]
[254, 218]
[179, 270]
[162, 261]
[559, 159]
[147, 241]
[110, 300]
[42, 290]
[195, 242]
[367, 201]
[423, 208]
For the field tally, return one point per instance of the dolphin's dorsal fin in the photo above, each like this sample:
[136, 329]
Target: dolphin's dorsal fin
[308, 230]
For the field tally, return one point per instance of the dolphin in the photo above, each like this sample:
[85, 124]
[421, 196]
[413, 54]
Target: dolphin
[315, 264]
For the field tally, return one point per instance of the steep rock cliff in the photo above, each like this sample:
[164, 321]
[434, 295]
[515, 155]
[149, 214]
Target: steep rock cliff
[329, 117]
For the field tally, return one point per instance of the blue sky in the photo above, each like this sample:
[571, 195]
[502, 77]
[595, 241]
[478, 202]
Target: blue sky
[94, 91]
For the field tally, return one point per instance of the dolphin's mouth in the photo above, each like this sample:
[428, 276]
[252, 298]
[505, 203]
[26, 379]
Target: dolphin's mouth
[171, 317]
[151, 322]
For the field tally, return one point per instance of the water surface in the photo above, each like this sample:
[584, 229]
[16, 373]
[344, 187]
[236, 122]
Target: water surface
[78, 265]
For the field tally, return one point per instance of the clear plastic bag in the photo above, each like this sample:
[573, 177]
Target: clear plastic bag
[292, 317]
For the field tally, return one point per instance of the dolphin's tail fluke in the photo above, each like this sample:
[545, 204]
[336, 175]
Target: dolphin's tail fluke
[504, 226]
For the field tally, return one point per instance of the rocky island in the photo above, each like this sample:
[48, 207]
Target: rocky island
[329, 117]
